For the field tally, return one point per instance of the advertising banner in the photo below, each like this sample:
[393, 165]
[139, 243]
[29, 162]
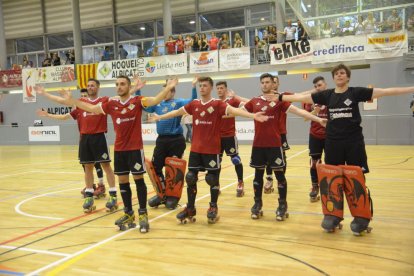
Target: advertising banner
[10, 78]
[44, 134]
[234, 59]
[203, 62]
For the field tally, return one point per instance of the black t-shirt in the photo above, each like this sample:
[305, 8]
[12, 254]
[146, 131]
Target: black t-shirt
[344, 118]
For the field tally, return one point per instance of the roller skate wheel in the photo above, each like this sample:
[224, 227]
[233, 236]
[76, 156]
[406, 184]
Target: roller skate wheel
[255, 216]
[184, 221]
[122, 227]
[369, 229]
[132, 225]
[329, 230]
[193, 219]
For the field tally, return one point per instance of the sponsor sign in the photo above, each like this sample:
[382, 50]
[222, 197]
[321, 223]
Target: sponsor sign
[63, 73]
[245, 130]
[44, 134]
[291, 52]
[234, 59]
[110, 70]
[387, 45]
[166, 65]
[149, 132]
[10, 78]
[29, 81]
[202, 62]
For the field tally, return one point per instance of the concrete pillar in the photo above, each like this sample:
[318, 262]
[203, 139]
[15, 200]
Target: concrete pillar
[3, 51]
[77, 34]
[167, 18]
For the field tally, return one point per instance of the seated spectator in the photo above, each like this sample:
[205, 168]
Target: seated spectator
[347, 29]
[359, 26]
[170, 46]
[224, 42]
[302, 33]
[188, 44]
[393, 23]
[180, 44]
[55, 59]
[326, 31]
[123, 54]
[238, 41]
[203, 43]
[47, 62]
[106, 55]
[155, 52]
[289, 32]
[195, 47]
[370, 26]
[213, 42]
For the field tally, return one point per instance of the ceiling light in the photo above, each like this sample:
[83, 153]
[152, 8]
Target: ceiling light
[192, 22]
[262, 19]
[309, 5]
[142, 28]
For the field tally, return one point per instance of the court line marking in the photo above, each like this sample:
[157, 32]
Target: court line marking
[78, 255]
[17, 207]
[34, 250]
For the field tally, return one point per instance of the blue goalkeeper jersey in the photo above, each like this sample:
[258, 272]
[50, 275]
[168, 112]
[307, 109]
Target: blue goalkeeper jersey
[170, 126]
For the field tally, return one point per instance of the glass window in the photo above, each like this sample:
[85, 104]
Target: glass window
[149, 47]
[60, 41]
[98, 36]
[136, 31]
[221, 20]
[88, 55]
[29, 44]
[261, 14]
[160, 27]
[184, 24]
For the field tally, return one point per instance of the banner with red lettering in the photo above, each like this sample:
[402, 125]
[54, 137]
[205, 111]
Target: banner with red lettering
[203, 62]
[10, 78]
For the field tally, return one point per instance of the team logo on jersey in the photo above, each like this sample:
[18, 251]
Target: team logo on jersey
[272, 104]
[137, 166]
[202, 114]
[264, 108]
[105, 156]
[210, 109]
[212, 163]
[278, 161]
[118, 121]
[232, 150]
[131, 106]
[348, 102]
[173, 104]
[124, 111]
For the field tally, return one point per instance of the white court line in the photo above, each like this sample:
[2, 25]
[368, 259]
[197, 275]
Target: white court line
[14, 174]
[17, 207]
[34, 250]
[36, 272]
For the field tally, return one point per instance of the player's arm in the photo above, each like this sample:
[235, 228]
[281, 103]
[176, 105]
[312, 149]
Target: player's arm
[381, 92]
[40, 90]
[69, 101]
[307, 115]
[150, 101]
[44, 113]
[175, 113]
[233, 94]
[259, 116]
[194, 88]
[138, 84]
[297, 97]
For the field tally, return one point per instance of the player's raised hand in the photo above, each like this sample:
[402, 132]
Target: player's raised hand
[66, 96]
[171, 83]
[195, 80]
[40, 90]
[138, 83]
[260, 117]
[230, 93]
[41, 113]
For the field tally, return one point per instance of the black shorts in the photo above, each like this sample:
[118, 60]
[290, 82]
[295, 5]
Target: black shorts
[129, 161]
[316, 145]
[339, 152]
[230, 145]
[93, 148]
[263, 157]
[167, 146]
[285, 144]
[203, 162]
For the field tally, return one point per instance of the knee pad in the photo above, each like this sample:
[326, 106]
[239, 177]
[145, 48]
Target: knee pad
[314, 160]
[236, 160]
[212, 179]
[191, 178]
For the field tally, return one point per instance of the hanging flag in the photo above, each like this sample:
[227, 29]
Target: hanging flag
[85, 72]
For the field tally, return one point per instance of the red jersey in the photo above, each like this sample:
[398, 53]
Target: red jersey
[126, 117]
[283, 117]
[170, 47]
[213, 43]
[228, 124]
[207, 118]
[317, 129]
[267, 134]
[180, 45]
[90, 123]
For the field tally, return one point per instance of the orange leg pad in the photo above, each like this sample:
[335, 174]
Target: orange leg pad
[356, 192]
[331, 188]
[155, 180]
[174, 176]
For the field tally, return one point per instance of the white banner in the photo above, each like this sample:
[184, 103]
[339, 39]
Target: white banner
[165, 65]
[291, 52]
[64, 73]
[202, 62]
[46, 133]
[28, 82]
[149, 132]
[387, 45]
[234, 59]
[245, 130]
[110, 70]
[339, 49]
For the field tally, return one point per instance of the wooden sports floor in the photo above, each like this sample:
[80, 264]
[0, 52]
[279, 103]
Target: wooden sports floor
[43, 230]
